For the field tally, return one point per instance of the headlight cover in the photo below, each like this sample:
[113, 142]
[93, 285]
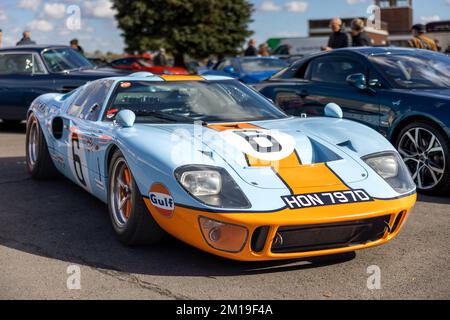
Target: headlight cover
[390, 166]
[212, 186]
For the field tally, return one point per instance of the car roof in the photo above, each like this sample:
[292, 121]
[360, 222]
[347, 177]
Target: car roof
[368, 51]
[258, 57]
[148, 76]
[35, 48]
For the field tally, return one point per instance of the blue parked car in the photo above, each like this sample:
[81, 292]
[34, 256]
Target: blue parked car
[402, 93]
[26, 72]
[250, 70]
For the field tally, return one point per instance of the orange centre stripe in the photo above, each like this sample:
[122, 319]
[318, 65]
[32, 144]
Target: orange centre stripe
[167, 77]
[298, 177]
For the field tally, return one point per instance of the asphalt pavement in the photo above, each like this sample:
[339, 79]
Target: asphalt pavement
[50, 228]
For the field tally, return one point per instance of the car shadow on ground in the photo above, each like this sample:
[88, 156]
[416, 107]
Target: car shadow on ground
[12, 128]
[59, 220]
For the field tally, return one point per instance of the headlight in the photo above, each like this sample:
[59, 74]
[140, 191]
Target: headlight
[391, 168]
[212, 186]
[202, 183]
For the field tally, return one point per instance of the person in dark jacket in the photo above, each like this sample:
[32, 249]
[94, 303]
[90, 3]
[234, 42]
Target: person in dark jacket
[338, 38]
[26, 39]
[251, 49]
[76, 46]
[359, 36]
[161, 58]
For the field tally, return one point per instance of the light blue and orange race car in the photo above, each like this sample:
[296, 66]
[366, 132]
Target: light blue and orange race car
[215, 164]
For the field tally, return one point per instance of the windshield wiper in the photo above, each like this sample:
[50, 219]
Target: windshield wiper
[165, 116]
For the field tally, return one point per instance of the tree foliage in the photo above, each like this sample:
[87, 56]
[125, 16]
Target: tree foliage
[194, 27]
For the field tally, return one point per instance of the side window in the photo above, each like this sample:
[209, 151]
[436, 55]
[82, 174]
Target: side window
[223, 64]
[16, 63]
[119, 62]
[333, 69]
[78, 104]
[93, 105]
[38, 67]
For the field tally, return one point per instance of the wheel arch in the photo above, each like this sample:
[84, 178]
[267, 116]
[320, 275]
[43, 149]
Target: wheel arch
[109, 154]
[402, 123]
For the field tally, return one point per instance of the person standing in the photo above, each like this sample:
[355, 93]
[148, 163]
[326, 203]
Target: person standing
[251, 49]
[420, 40]
[263, 50]
[338, 39]
[359, 36]
[1, 37]
[75, 45]
[26, 39]
[160, 59]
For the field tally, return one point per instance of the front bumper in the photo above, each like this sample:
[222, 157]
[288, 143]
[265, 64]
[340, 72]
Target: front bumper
[332, 224]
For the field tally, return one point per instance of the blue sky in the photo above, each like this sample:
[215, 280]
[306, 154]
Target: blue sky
[47, 19]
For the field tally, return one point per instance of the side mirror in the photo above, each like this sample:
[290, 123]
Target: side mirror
[229, 69]
[125, 118]
[357, 80]
[334, 111]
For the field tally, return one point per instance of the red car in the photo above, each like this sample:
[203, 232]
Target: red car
[146, 64]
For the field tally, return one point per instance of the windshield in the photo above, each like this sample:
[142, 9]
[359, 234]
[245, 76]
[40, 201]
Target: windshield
[145, 62]
[65, 59]
[260, 65]
[408, 71]
[188, 101]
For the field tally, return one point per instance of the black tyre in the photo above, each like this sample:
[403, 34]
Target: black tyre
[426, 152]
[132, 222]
[39, 163]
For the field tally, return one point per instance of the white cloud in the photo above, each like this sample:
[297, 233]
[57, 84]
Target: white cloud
[296, 6]
[430, 19]
[99, 9]
[40, 25]
[3, 16]
[269, 6]
[29, 4]
[54, 10]
[351, 2]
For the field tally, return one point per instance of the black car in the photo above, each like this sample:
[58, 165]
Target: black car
[27, 72]
[402, 93]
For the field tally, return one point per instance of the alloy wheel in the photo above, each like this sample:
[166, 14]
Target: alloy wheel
[121, 193]
[424, 156]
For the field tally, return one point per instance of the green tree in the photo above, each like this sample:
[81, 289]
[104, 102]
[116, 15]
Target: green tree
[196, 28]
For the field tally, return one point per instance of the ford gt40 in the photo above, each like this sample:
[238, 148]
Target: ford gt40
[214, 163]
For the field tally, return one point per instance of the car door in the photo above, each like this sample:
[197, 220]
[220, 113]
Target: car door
[23, 78]
[327, 76]
[86, 141]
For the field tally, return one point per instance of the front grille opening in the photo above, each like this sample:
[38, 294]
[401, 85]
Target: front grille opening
[306, 238]
[259, 238]
[397, 221]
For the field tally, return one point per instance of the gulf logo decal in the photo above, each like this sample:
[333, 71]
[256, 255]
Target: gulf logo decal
[161, 200]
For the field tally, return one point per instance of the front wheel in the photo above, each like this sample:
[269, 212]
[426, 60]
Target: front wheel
[426, 152]
[132, 222]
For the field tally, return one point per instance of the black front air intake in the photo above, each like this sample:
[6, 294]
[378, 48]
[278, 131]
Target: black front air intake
[315, 237]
